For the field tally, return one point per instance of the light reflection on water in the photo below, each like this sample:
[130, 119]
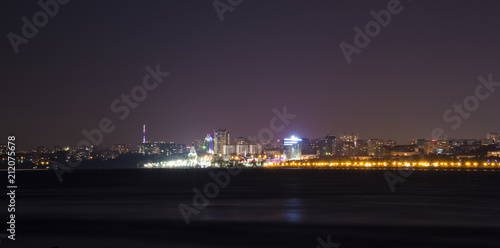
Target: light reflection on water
[293, 210]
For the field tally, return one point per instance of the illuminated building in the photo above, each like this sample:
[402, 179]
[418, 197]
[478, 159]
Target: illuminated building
[162, 147]
[209, 144]
[272, 152]
[328, 145]
[436, 147]
[361, 148]
[403, 153]
[221, 138]
[242, 150]
[148, 148]
[255, 149]
[494, 154]
[348, 137]
[144, 133]
[291, 148]
[81, 152]
[319, 147]
[343, 148]
[375, 148]
[120, 148]
[229, 149]
[170, 148]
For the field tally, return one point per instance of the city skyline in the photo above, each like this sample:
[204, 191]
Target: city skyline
[250, 123]
[344, 137]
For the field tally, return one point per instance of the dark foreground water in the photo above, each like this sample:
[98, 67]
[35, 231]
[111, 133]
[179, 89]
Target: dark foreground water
[259, 208]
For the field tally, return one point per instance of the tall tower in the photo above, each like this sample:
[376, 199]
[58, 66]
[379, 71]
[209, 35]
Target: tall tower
[221, 138]
[209, 144]
[144, 133]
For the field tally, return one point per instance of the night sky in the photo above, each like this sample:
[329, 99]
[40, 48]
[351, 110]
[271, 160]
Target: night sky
[265, 54]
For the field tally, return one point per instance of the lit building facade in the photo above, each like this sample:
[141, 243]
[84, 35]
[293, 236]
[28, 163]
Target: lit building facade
[120, 148]
[348, 137]
[376, 148]
[209, 144]
[222, 137]
[291, 148]
[229, 150]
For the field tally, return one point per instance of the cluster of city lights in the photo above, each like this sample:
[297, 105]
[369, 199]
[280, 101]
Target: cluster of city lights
[202, 162]
[181, 163]
[382, 164]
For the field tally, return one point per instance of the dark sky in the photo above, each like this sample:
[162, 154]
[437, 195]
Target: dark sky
[265, 54]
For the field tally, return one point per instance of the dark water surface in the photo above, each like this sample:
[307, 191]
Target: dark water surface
[258, 208]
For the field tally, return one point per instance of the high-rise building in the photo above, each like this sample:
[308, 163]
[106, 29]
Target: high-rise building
[348, 137]
[255, 149]
[376, 148]
[321, 146]
[221, 138]
[209, 144]
[345, 148]
[242, 150]
[229, 150]
[361, 147]
[329, 145]
[148, 148]
[291, 148]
